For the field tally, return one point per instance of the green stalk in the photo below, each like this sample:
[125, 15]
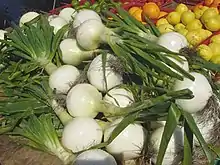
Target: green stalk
[42, 135]
[113, 110]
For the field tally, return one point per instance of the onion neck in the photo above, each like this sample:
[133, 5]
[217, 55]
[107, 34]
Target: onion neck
[50, 68]
[61, 113]
[65, 156]
[109, 36]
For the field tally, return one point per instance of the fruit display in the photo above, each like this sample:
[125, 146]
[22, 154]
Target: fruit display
[109, 83]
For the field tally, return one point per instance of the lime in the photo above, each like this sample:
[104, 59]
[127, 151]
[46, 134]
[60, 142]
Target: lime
[205, 52]
[181, 8]
[215, 39]
[173, 18]
[193, 25]
[187, 17]
[164, 28]
[162, 21]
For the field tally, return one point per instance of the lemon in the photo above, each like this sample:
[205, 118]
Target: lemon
[179, 26]
[164, 28]
[212, 24]
[199, 11]
[162, 21]
[183, 31]
[215, 49]
[215, 39]
[205, 52]
[202, 33]
[173, 18]
[216, 59]
[193, 25]
[187, 17]
[193, 37]
[218, 17]
[181, 8]
[211, 12]
[208, 33]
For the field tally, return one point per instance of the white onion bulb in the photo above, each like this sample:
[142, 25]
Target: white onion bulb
[84, 15]
[68, 14]
[119, 97]
[174, 146]
[95, 157]
[58, 22]
[72, 54]
[201, 89]
[81, 134]
[62, 78]
[128, 144]
[83, 100]
[27, 17]
[173, 41]
[96, 77]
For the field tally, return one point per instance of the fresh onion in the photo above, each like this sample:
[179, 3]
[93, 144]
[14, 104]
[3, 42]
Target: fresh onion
[72, 54]
[96, 75]
[84, 15]
[172, 41]
[83, 100]
[62, 78]
[95, 157]
[58, 22]
[68, 14]
[128, 144]
[175, 146]
[201, 89]
[81, 134]
[27, 17]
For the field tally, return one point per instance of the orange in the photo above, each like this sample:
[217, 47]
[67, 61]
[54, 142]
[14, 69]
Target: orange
[208, 2]
[151, 10]
[138, 15]
[162, 14]
[133, 9]
[216, 3]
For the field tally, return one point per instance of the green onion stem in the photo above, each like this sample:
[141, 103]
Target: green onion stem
[61, 113]
[50, 68]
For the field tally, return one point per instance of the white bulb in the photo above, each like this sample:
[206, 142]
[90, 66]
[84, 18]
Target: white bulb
[201, 89]
[27, 17]
[58, 22]
[95, 157]
[68, 14]
[81, 134]
[84, 15]
[128, 144]
[83, 100]
[62, 78]
[96, 77]
[173, 41]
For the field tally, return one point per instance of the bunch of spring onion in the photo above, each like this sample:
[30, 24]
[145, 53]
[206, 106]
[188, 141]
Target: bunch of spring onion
[100, 87]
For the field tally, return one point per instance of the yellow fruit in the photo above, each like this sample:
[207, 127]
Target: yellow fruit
[179, 26]
[212, 24]
[133, 9]
[211, 12]
[162, 21]
[199, 10]
[218, 17]
[208, 33]
[215, 49]
[164, 28]
[193, 25]
[193, 37]
[187, 17]
[183, 31]
[216, 59]
[181, 8]
[205, 52]
[202, 33]
[215, 39]
[173, 18]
